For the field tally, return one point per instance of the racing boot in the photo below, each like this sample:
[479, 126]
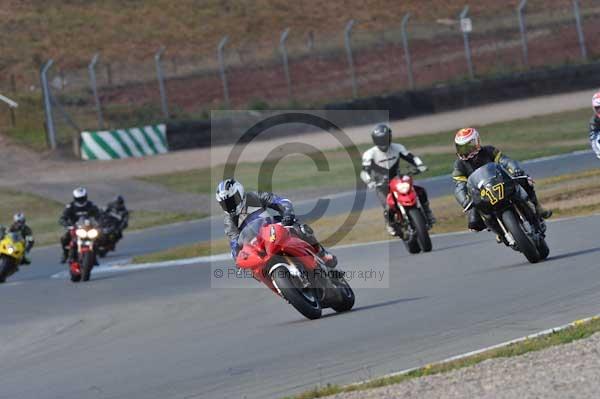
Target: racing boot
[327, 257]
[428, 215]
[65, 255]
[542, 212]
[26, 259]
[391, 231]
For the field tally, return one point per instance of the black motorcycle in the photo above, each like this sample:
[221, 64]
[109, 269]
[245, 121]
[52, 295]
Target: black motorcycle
[504, 206]
[110, 233]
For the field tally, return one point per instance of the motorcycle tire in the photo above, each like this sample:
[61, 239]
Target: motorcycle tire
[418, 221]
[412, 246]
[543, 249]
[87, 263]
[345, 295]
[524, 243]
[303, 300]
[7, 268]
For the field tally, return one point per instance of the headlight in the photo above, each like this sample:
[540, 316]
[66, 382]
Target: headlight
[403, 187]
[81, 233]
[93, 233]
[10, 250]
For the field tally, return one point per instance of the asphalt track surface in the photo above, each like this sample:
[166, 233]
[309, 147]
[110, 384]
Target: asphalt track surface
[166, 333]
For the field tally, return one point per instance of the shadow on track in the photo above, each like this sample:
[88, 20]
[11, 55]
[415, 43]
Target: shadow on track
[357, 309]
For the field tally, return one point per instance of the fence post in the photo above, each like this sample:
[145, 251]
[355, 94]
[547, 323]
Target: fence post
[222, 71]
[580, 30]
[161, 82]
[286, 66]
[51, 134]
[348, 43]
[94, 86]
[523, 29]
[411, 81]
[462, 17]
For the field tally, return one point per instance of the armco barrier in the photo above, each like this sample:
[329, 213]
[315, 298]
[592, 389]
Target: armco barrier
[183, 135]
[124, 143]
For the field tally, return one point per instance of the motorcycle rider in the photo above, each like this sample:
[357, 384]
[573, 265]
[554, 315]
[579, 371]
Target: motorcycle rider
[595, 125]
[381, 163]
[471, 156]
[76, 209]
[117, 210]
[235, 201]
[20, 226]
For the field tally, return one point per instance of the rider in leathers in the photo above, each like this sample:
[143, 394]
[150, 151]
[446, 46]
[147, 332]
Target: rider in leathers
[236, 203]
[595, 125]
[381, 163]
[78, 208]
[471, 156]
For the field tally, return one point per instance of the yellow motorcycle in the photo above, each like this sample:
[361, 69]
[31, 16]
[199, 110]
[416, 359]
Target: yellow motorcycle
[12, 251]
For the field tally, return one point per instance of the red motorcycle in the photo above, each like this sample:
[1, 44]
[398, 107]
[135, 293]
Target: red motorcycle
[290, 267]
[406, 214]
[82, 256]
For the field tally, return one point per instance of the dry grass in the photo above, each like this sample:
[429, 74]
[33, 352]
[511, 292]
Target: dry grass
[71, 30]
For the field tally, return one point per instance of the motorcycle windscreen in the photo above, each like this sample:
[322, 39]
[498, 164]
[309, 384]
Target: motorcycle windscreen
[489, 186]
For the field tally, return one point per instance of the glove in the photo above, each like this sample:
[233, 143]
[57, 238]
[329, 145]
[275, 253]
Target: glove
[422, 168]
[288, 220]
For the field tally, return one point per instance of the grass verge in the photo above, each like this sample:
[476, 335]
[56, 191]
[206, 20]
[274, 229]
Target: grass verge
[521, 139]
[569, 195]
[577, 331]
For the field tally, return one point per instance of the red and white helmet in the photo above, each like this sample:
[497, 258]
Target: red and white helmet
[596, 103]
[467, 143]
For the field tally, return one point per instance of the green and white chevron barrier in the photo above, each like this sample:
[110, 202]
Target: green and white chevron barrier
[124, 143]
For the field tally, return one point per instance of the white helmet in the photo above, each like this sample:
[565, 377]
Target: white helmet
[19, 217]
[467, 142]
[231, 196]
[596, 103]
[80, 196]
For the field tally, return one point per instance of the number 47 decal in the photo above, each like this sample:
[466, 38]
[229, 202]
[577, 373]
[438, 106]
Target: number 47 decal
[495, 194]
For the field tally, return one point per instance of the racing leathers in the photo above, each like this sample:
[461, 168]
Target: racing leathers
[380, 167]
[464, 168]
[595, 134]
[71, 214]
[254, 201]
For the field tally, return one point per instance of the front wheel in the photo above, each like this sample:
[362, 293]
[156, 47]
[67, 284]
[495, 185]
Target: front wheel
[418, 221]
[524, 243]
[7, 268]
[345, 295]
[305, 300]
[87, 263]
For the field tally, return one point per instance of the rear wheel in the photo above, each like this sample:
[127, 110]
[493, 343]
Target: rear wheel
[420, 226]
[7, 268]
[525, 244]
[87, 262]
[305, 300]
[345, 295]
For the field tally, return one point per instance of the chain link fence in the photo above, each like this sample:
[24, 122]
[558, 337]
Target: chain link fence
[297, 69]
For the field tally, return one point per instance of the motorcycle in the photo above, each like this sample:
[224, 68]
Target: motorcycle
[82, 256]
[12, 251]
[505, 209]
[109, 234]
[290, 267]
[406, 213]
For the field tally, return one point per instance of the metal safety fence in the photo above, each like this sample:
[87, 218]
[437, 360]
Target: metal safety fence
[309, 69]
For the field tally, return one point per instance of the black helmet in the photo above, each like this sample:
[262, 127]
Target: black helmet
[119, 200]
[382, 136]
